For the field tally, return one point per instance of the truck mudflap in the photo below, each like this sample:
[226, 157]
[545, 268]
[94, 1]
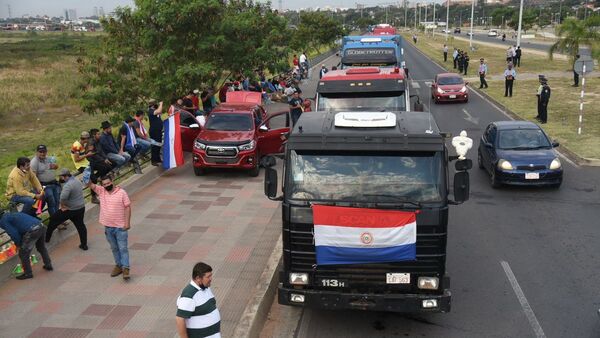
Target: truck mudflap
[331, 300]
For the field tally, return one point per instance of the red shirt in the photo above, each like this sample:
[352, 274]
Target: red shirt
[196, 101]
[295, 61]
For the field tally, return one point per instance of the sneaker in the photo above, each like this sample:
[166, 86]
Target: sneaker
[83, 247]
[25, 276]
[48, 267]
[126, 273]
[116, 271]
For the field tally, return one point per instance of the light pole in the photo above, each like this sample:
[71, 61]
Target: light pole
[447, 16]
[472, 14]
[560, 12]
[520, 24]
[405, 13]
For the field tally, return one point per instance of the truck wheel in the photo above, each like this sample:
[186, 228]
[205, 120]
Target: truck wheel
[254, 171]
[199, 171]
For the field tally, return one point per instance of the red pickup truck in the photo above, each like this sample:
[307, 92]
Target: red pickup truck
[238, 133]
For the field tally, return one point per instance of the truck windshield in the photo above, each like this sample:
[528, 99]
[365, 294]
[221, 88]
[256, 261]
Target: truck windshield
[379, 101]
[366, 177]
[229, 122]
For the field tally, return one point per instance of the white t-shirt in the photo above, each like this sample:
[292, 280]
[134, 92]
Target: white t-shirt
[302, 58]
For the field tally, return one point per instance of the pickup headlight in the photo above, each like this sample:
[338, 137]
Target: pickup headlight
[439, 90]
[199, 145]
[298, 278]
[555, 164]
[505, 165]
[463, 89]
[248, 146]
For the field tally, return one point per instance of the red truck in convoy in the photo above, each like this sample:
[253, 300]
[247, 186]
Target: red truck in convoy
[238, 133]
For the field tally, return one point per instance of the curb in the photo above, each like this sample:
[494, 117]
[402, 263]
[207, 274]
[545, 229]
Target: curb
[256, 311]
[564, 151]
[132, 185]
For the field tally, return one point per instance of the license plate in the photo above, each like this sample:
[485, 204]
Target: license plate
[532, 176]
[397, 278]
[452, 96]
[332, 283]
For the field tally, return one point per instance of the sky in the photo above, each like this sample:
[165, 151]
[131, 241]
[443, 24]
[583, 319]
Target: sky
[86, 7]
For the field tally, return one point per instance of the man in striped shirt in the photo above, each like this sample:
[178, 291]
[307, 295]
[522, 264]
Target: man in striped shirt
[197, 313]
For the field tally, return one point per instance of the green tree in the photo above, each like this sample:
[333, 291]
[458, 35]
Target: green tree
[573, 33]
[163, 48]
[530, 17]
[315, 30]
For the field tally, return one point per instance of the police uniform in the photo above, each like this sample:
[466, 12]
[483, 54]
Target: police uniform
[537, 94]
[544, 99]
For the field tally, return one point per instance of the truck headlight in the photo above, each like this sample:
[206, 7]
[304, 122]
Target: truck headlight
[429, 303]
[298, 278]
[248, 146]
[428, 283]
[439, 90]
[555, 164]
[199, 145]
[505, 165]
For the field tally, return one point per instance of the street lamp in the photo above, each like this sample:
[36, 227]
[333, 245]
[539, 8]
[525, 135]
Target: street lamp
[472, 13]
[520, 24]
[447, 16]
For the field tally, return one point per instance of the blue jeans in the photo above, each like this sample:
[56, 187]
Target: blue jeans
[52, 197]
[117, 238]
[27, 203]
[145, 145]
[119, 160]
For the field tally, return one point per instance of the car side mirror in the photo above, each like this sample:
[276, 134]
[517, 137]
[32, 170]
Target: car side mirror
[461, 186]
[263, 128]
[271, 183]
[555, 144]
[194, 126]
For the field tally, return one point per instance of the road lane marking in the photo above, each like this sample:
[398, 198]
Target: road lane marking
[470, 118]
[535, 325]
[415, 85]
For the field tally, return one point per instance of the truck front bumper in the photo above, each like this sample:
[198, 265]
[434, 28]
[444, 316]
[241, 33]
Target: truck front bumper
[332, 300]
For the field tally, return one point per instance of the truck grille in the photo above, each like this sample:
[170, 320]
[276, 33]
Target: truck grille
[431, 259]
[218, 151]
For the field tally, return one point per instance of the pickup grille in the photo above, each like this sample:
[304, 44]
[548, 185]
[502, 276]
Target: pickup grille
[219, 151]
[431, 259]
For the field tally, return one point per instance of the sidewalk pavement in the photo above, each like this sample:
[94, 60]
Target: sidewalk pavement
[222, 219]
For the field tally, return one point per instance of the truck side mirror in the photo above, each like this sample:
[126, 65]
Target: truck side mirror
[418, 106]
[461, 186]
[271, 183]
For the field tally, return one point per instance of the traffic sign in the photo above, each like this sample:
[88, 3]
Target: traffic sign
[583, 60]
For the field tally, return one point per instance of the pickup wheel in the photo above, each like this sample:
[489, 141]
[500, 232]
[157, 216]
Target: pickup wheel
[254, 171]
[199, 171]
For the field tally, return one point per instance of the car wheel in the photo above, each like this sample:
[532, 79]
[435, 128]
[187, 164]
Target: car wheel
[494, 180]
[254, 171]
[479, 160]
[199, 171]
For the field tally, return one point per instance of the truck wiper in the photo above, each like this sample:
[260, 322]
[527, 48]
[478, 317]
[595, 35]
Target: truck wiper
[395, 198]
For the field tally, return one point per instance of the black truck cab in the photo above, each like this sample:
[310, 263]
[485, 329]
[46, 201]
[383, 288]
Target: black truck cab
[375, 160]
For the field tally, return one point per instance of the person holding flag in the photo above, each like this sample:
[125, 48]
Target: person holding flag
[172, 148]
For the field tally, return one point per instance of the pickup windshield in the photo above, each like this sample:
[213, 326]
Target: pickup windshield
[366, 177]
[379, 101]
[229, 122]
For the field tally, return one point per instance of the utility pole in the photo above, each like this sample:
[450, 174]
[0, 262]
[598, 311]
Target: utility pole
[426, 5]
[560, 12]
[416, 6]
[472, 14]
[405, 13]
[9, 12]
[447, 16]
[520, 24]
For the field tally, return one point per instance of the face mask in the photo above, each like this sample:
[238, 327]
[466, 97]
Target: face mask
[62, 180]
[109, 187]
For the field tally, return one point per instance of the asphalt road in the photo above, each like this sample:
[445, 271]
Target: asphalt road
[509, 42]
[524, 262]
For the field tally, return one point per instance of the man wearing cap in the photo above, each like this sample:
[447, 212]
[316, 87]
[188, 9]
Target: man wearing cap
[483, 70]
[188, 103]
[43, 168]
[111, 149]
[156, 127]
[544, 99]
[23, 186]
[575, 74]
[196, 100]
[72, 207]
[538, 94]
[26, 231]
[78, 152]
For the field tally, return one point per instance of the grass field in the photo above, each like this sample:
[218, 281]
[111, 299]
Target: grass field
[39, 88]
[563, 109]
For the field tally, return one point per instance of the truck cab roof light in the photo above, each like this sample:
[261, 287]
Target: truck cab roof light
[370, 40]
[365, 119]
[363, 70]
